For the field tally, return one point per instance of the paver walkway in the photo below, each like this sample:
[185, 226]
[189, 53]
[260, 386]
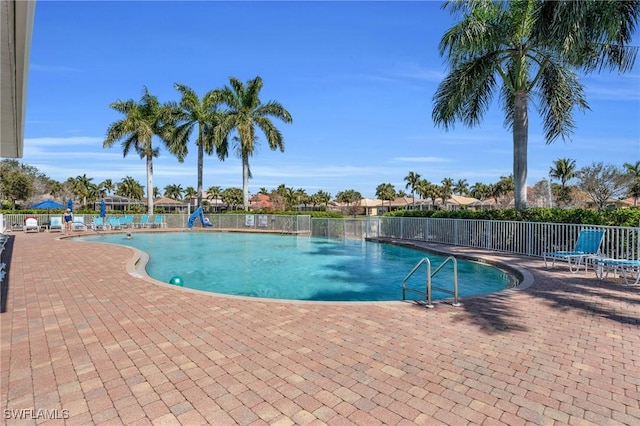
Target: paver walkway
[86, 342]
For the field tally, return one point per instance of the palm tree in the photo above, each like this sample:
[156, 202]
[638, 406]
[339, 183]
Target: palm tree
[130, 188]
[322, 197]
[563, 169]
[245, 112]
[461, 187]
[633, 170]
[494, 42]
[386, 191]
[412, 180]
[446, 190]
[108, 186]
[603, 43]
[141, 122]
[203, 114]
[231, 197]
[173, 191]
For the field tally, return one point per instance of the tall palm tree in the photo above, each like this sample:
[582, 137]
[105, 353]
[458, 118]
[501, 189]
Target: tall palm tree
[244, 113]
[412, 180]
[547, 38]
[142, 121]
[494, 43]
[202, 114]
[633, 170]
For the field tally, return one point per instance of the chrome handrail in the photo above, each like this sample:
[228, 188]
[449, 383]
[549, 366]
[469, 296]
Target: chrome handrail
[428, 287]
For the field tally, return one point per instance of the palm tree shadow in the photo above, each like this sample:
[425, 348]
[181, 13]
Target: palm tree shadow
[497, 313]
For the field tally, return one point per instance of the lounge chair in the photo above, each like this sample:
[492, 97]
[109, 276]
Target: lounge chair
[78, 223]
[144, 221]
[624, 267]
[126, 221]
[587, 246]
[31, 225]
[158, 221]
[55, 224]
[98, 223]
[114, 223]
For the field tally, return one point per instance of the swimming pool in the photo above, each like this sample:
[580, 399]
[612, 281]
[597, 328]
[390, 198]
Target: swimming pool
[299, 268]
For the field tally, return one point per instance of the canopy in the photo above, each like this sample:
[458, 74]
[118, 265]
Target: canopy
[47, 204]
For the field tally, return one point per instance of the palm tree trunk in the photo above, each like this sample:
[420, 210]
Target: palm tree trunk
[149, 185]
[200, 168]
[245, 181]
[520, 142]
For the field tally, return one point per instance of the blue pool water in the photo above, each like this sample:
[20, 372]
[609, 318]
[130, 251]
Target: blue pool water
[299, 268]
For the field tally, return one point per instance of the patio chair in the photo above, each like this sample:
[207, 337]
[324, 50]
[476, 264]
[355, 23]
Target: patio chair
[144, 221]
[98, 223]
[78, 223]
[623, 267]
[55, 224]
[126, 221]
[31, 225]
[158, 221]
[587, 246]
[114, 223]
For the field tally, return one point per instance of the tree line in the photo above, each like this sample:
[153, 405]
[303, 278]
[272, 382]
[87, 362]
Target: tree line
[600, 182]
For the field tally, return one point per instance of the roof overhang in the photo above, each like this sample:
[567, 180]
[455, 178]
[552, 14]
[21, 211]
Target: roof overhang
[16, 28]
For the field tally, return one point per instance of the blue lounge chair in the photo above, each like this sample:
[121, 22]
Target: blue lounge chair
[98, 223]
[158, 221]
[587, 246]
[144, 221]
[55, 224]
[114, 223]
[624, 267]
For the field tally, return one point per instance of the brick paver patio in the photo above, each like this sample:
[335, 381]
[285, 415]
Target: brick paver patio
[87, 342]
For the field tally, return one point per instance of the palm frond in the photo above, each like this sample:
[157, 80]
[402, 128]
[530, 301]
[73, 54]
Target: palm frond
[560, 94]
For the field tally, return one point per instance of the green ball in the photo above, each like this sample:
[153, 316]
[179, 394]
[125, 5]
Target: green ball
[176, 281]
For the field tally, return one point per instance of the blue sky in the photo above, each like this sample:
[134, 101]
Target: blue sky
[357, 77]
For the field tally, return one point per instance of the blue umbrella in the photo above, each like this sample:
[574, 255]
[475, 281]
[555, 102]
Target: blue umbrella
[47, 204]
[103, 208]
[70, 204]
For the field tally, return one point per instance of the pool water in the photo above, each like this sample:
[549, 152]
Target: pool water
[300, 267]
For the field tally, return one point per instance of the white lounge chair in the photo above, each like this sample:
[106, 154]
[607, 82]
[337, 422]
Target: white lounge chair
[78, 223]
[31, 225]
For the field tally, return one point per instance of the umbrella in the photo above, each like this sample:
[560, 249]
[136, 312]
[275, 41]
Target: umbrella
[47, 204]
[70, 204]
[103, 208]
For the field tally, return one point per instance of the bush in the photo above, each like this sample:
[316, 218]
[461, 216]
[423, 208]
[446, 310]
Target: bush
[617, 217]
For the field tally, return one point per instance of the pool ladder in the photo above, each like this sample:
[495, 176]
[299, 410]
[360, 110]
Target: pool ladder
[429, 288]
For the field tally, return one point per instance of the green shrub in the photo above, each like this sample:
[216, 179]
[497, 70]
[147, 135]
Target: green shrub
[616, 217]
